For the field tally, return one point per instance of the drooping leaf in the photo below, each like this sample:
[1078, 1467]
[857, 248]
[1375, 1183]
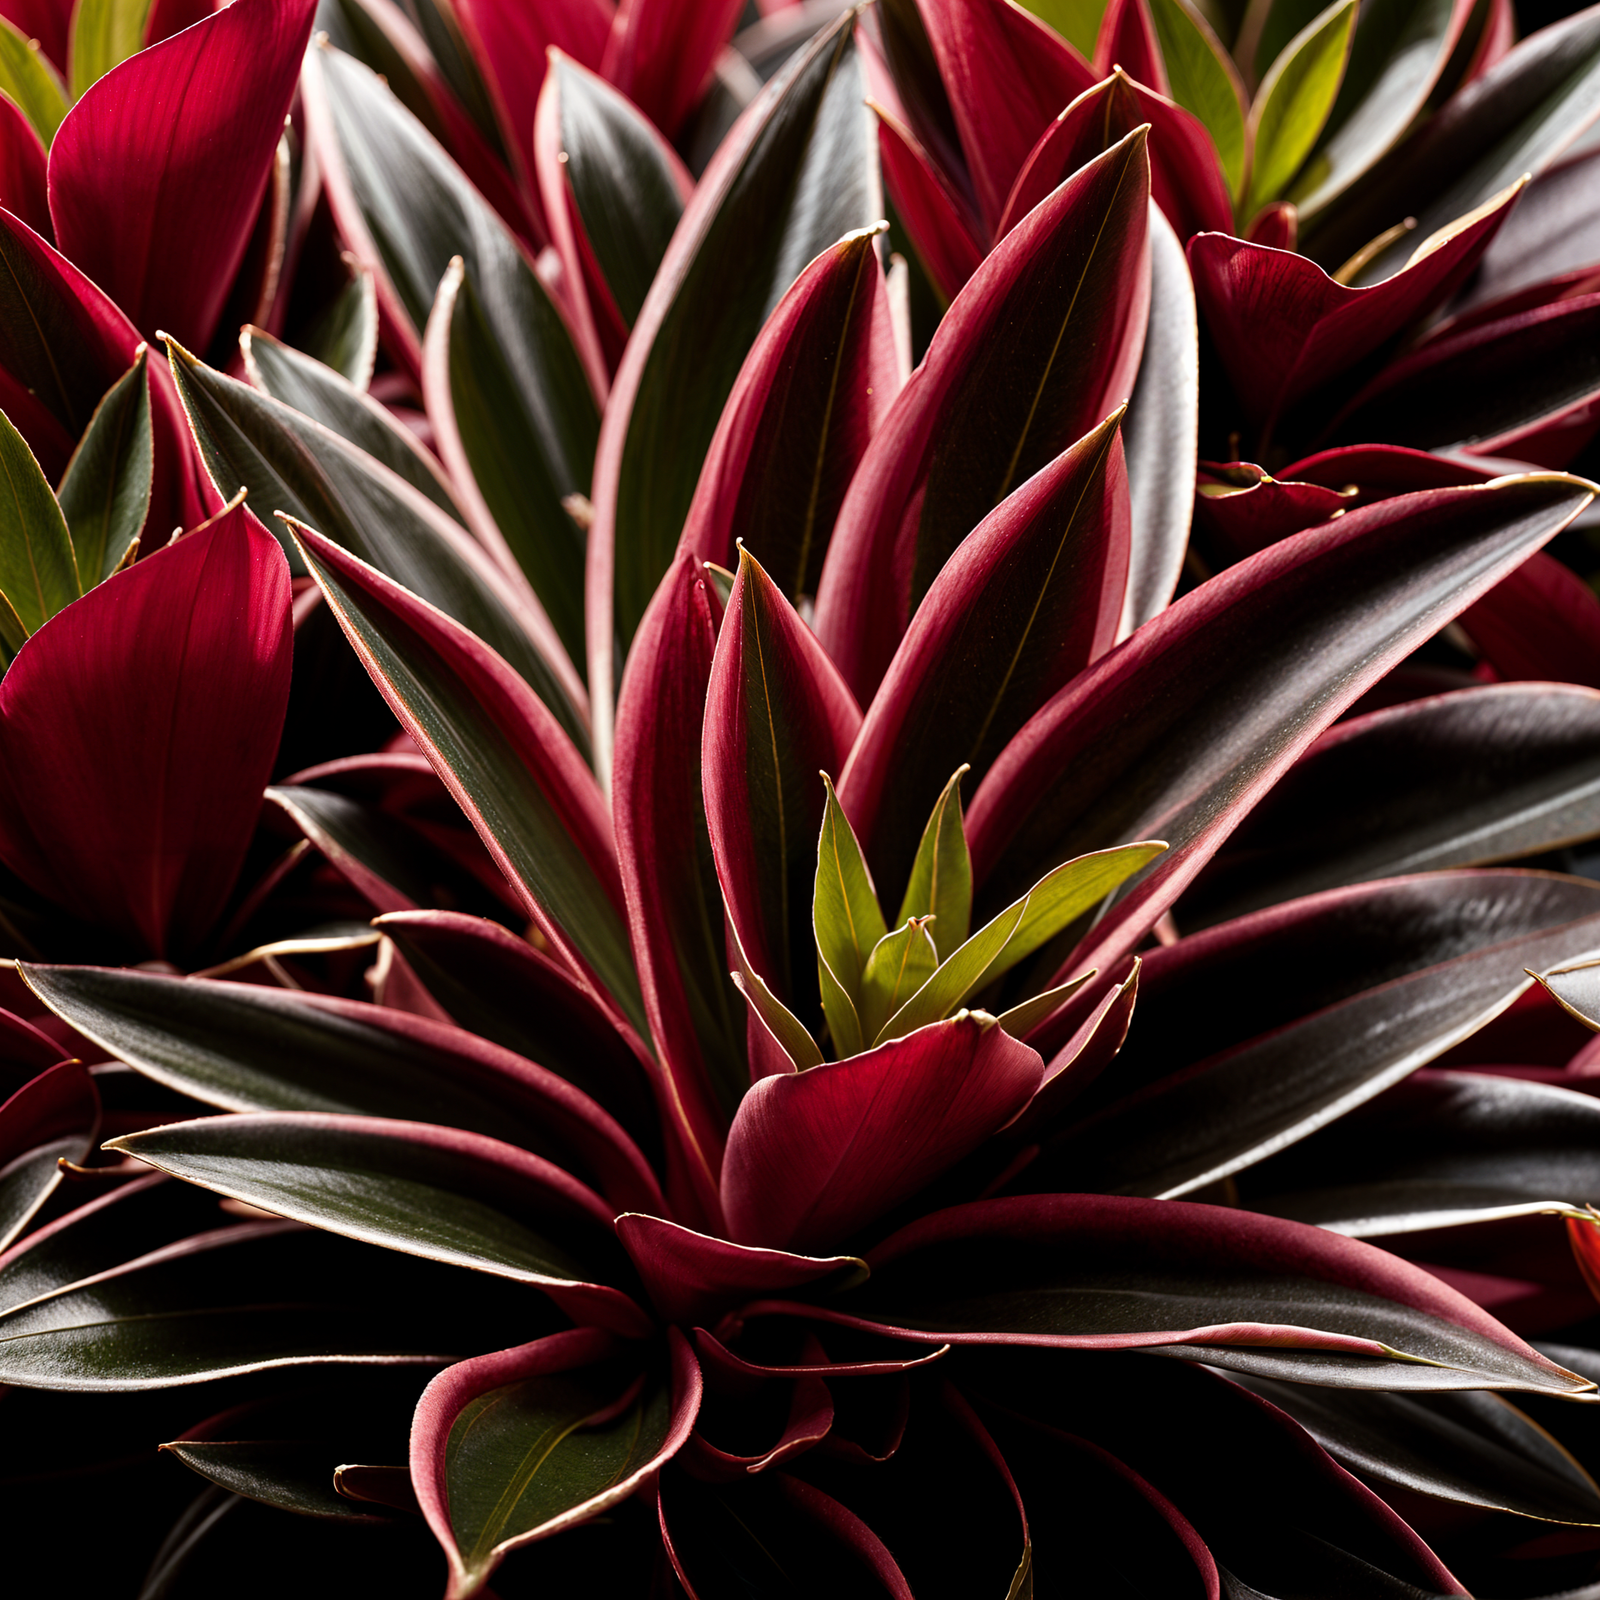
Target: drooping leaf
[159, 170]
[28, 79]
[845, 914]
[293, 465]
[502, 755]
[105, 493]
[1222, 735]
[800, 173]
[1030, 598]
[1102, 1272]
[104, 33]
[38, 569]
[1294, 101]
[814, 1156]
[324, 392]
[140, 827]
[810, 395]
[1059, 307]
[516, 1446]
[438, 1193]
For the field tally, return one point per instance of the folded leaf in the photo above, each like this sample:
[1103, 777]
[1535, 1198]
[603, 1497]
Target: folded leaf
[1104, 1273]
[1030, 598]
[815, 1156]
[810, 395]
[135, 826]
[53, 1118]
[797, 173]
[1060, 309]
[105, 494]
[516, 1446]
[158, 172]
[1200, 761]
[38, 568]
[502, 755]
[437, 1193]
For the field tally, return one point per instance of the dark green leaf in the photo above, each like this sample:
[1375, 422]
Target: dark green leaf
[292, 1474]
[38, 573]
[346, 337]
[105, 494]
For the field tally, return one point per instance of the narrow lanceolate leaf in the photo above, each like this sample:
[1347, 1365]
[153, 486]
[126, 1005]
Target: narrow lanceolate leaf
[247, 1048]
[940, 884]
[38, 570]
[27, 77]
[1109, 1273]
[1294, 101]
[810, 395]
[1245, 1103]
[139, 826]
[516, 1446]
[158, 172]
[799, 172]
[1032, 596]
[613, 191]
[105, 495]
[324, 391]
[1473, 1449]
[1455, 780]
[1060, 307]
[675, 916]
[293, 465]
[1440, 1150]
[845, 914]
[900, 963]
[1197, 764]
[104, 33]
[1054, 903]
[1203, 80]
[776, 715]
[1160, 434]
[1396, 57]
[346, 338]
[438, 1193]
[502, 755]
[489, 431]
[50, 1119]
[1517, 118]
[406, 210]
[816, 1155]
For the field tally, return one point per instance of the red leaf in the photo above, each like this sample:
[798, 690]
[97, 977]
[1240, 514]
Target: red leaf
[1282, 327]
[22, 168]
[694, 1279]
[1186, 177]
[1542, 622]
[145, 718]
[815, 1156]
[168, 17]
[1242, 509]
[1127, 39]
[1031, 598]
[1008, 76]
[1042, 343]
[812, 392]
[661, 51]
[936, 220]
[60, 1108]
[44, 20]
[776, 714]
[675, 912]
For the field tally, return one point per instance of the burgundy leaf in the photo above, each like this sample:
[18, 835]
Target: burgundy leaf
[1008, 76]
[1242, 509]
[1275, 226]
[716, 1357]
[1042, 343]
[1127, 39]
[22, 169]
[1088, 1051]
[776, 714]
[54, 1117]
[145, 717]
[693, 1278]
[810, 395]
[168, 17]
[1186, 177]
[661, 51]
[157, 173]
[940, 230]
[675, 916]
[815, 1156]
[1216, 733]
[1031, 598]
[1541, 622]
[1282, 327]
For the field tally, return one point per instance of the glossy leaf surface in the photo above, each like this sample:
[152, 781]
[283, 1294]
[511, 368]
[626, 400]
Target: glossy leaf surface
[105, 494]
[52, 1118]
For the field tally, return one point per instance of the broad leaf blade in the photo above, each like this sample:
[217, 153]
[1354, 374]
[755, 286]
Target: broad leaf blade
[105, 495]
[1203, 79]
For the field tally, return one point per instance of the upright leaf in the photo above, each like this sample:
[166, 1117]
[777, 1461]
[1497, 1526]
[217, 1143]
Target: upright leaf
[940, 884]
[38, 570]
[346, 337]
[799, 172]
[1059, 308]
[104, 34]
[28, 78]
[158, 172]
[844, 909]
[660, 53]
[1203, 80]
[52, 1118]
[105, 494]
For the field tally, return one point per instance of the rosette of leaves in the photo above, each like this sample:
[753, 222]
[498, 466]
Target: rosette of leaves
[948, 1013]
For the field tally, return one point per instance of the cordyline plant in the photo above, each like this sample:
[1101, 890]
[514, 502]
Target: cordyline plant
[821, 1032]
